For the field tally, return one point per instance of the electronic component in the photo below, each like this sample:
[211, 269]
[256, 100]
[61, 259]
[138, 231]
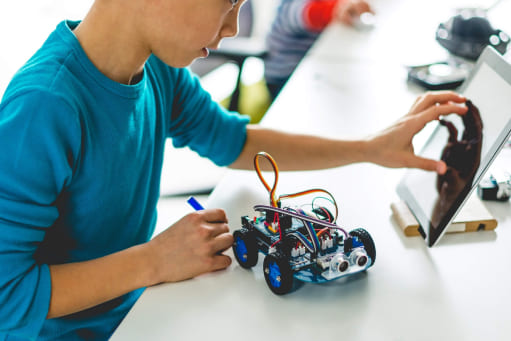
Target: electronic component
[299, 244]
[496, 186]
[439, 76]
[465, 35]
[468, 32]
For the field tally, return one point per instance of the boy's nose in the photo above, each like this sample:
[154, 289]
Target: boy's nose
[230, 28]
[229, 31]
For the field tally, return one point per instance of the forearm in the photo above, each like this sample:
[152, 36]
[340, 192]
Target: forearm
[300, 152]
[78, 286]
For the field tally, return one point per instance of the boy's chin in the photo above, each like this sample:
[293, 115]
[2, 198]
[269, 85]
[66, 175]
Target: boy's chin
[186, 62]
[182, 64]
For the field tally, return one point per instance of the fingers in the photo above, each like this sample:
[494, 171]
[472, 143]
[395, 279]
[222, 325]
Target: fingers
[217, 260]
[434, 112]
[216, 222]
[222, 242]
[432, 98]
[361, 7]
[215, 230]
[220, 262]
[345, 18]
[214, 215]
[427, 164]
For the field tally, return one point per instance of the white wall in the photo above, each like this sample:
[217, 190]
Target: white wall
[264, 11]
[24, 26]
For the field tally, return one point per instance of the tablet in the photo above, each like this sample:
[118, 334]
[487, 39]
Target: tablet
[468, 144]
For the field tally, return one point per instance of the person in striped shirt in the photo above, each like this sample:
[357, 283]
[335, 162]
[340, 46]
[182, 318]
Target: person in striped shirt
[297, 25]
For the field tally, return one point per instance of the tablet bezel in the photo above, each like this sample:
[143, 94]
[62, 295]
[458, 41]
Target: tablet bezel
[497, 63]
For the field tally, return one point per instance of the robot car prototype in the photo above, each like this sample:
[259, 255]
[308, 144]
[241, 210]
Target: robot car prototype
[304, 245]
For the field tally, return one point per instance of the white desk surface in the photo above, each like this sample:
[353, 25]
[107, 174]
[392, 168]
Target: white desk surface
[458, 290]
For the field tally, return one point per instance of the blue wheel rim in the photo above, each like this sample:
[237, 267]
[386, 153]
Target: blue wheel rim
[274, 274]
[357, 242]
[241, 250]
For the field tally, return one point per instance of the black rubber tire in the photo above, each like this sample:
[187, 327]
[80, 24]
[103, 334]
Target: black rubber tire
[368, 242]
[249, 258]
[276, 262]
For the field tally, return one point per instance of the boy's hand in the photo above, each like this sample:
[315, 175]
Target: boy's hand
[192, 246]
[393, 147]
[349, 11]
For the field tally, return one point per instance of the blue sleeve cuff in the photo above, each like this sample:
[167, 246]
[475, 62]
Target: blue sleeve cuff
[24, 312]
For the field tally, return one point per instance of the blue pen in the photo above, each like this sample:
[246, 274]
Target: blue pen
[198, 207]
[195, 204]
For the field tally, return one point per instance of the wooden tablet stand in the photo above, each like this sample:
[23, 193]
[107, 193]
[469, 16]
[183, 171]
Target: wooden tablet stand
[473, 217]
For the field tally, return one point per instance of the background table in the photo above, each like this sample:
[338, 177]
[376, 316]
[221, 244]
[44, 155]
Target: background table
[352, 83]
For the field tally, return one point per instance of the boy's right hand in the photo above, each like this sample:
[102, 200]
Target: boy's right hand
[190, 247]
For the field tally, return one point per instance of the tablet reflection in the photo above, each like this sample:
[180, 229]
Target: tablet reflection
[462, 158]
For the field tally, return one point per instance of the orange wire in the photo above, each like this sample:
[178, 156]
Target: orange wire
[321, 232]
[293, 195]
[274, 202]
[271, 190]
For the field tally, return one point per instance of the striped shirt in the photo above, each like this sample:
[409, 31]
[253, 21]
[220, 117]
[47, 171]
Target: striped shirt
[296, 27]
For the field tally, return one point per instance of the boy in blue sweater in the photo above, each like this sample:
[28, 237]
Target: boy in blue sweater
[83, 125]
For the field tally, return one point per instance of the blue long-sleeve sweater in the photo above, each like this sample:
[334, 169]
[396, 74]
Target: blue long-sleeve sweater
[80, 170]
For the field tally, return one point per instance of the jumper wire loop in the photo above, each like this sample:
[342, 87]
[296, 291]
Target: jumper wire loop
[276, 201]
[271, 190]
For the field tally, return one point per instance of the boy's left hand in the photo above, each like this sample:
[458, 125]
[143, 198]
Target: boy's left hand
[393, 146]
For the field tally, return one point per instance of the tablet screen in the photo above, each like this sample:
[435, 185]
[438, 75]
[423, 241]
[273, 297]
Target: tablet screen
[468, 144]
